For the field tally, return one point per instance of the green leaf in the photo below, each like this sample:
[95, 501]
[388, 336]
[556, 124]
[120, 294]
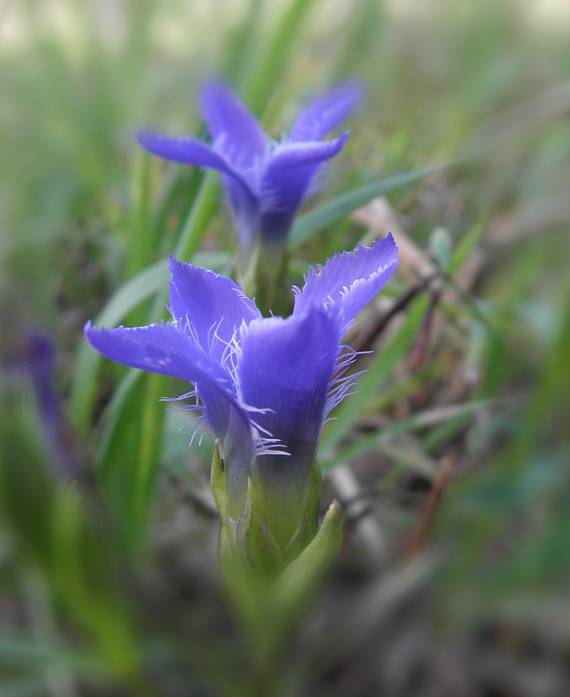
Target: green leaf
[414, 423]
[20, 650]
[303, 573]
[24, 687]
[440, 246]
[296, 585]
[139, 246]
[467, 243]
[194, 227]
[274, 57]
[242, 44]
[84, 577]
[316, 220]
[129, 449]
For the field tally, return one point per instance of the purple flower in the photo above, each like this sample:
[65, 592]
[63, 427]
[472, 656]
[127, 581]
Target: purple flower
[263, 386]
[38, 357]
[265, 181]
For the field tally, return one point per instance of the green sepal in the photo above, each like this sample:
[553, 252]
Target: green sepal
[277, 612]
[269, 587]
[247, 549]
[262, 548]
[228, 547]
[218, 480]
[250, 538]
[310, 524]
[263, 553]
[301, 577]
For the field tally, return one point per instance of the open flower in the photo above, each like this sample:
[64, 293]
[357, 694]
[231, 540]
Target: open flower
[265, 181]
[263, 385]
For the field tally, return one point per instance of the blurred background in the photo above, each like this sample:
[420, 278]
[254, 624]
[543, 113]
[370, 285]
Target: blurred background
[452, 462]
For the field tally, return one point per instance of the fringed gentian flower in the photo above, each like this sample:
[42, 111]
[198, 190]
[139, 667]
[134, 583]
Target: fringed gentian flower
[263, 386]
[265, 181]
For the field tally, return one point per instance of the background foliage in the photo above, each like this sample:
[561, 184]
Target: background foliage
[452, 461]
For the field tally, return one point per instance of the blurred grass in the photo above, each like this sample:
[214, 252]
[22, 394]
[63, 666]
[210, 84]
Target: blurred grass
[477, 369]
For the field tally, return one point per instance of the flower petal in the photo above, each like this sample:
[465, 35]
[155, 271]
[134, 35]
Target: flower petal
[190, 151]
[285, 366]
[245, 211]
[234, 130]
[325, 113]
[350, 279]
[158, 348]
[163, 348]
[286, 180]
[185, 149]
[214, 305]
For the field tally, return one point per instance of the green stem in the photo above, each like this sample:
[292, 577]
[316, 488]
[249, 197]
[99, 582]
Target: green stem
[275, 58]
[197, 221]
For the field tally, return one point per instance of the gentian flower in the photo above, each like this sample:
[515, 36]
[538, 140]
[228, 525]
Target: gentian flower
[263, 386]
[265, 181]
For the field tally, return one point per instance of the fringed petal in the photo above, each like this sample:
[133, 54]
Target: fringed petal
[326, 113]
[350, 279]
[212, 305]
[286, 180]
[234, 130]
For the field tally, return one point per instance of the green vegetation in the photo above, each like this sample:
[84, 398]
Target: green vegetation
[451, 461]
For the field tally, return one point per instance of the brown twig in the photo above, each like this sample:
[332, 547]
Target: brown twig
[420, 350]
[367, 339]
[417, 539]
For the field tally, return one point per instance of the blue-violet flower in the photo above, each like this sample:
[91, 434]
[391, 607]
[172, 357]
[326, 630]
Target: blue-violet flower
[265, 181]
[263, 386]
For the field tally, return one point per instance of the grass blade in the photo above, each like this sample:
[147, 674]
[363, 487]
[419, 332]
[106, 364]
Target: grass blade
[316, 220]
[414, 423]
[273, 60]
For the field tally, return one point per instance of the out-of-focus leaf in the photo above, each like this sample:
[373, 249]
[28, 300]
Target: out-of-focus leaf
[241, 45]
[414, 423]
[129, 450]
[440, 246]
[327, 213]
[18, 650]
[139, 247]
[465, 245]
[274, 56]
